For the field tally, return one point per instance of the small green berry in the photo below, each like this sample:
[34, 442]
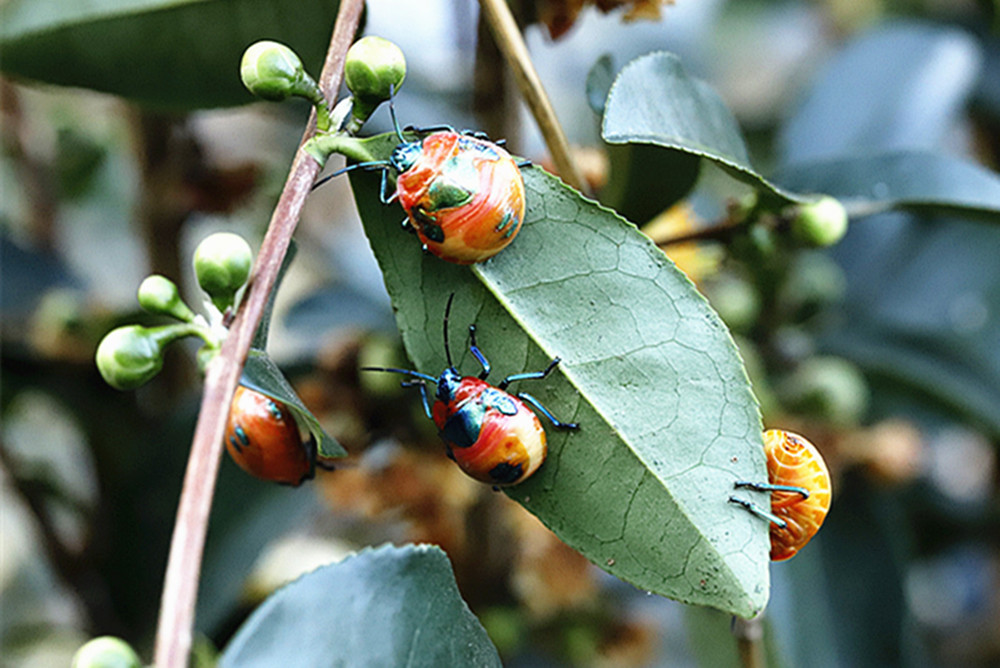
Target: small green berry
[820, 223]
[106, 652]
[129, 357]
[222, 265]
[373, 71]
[159, 295]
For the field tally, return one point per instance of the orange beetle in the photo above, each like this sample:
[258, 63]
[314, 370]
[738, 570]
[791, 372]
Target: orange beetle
[800, 488]
[489, 432]
[263, 439]
[463, 195]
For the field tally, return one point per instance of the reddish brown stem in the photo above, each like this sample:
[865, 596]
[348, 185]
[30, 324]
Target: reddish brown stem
[180, 588]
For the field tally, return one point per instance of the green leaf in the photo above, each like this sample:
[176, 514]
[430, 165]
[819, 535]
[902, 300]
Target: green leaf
[262, 374]
[654, 101]
[386, 606]
[599, 80]
[175, 54]
[931, 182]
[667, 418]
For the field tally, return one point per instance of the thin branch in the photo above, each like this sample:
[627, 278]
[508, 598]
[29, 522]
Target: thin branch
[718, 232]
[512, 45]
[180, 588]
[749, 634]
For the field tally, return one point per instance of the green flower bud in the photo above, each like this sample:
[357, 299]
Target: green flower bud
[374, 69]
[274, 72]
[106, 652]
[820, 223]
[159, 295]
[130, 356]
[222, 265]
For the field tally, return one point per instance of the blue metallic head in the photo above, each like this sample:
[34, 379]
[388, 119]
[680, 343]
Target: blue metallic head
[447, 384]
[405, 155]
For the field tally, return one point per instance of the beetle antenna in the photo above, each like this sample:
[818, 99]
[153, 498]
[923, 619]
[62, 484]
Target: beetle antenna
[392, 113]
[447, 349]
[367, 166]
[405, 372]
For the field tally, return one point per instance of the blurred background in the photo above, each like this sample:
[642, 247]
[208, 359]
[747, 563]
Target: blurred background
[127, 138]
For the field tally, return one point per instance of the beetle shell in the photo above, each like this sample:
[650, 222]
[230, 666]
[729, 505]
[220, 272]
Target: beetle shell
[263, 439]
[490, 434]
[464, 197]
[793, 460]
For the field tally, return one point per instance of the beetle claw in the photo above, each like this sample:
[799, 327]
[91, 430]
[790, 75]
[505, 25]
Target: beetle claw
[759, 512]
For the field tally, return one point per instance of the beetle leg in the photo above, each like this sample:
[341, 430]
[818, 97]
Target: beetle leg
[545, 411]
[531, 375]
[769, 487]
[523, 163]
[759, 512]
[480, 357]
[423, 393]
[386, 199]
[408, 226]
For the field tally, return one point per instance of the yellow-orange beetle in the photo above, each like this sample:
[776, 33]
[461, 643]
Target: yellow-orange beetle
[800, 488]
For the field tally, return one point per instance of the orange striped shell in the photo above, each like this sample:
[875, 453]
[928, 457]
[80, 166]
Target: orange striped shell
[792, 460]
[464, 197]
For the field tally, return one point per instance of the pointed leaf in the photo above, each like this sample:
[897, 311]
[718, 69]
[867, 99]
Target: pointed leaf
[386, 606]
[668, 421]
[654, 101]
[262, 374]
[177, 54]
[871, 184]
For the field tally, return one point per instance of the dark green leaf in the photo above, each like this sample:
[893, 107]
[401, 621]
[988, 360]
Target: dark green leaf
[654, 101]
[668, 421]
[176, 54]
[386, 606]
[262, 374]
[599, 80]
[906, 179]
[647, 180]
[898, 87]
